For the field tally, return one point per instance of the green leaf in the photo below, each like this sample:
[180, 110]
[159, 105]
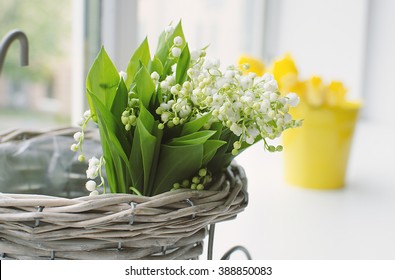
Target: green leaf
[158, 134]
[113, 150]
[136, 162]
[194, 138]
[223, 156]
[145, 87]
[142, 54]
[152, 150]
[145, 153]
[120, 101]
[147, 119]
[217, 126]
[115, 164]
[166, 41]
[209, 150]
[102, 81]
[183, 65]
[110, 169]
[155, 65]
[148, 142]
[115, 131]
[176, 163]
[195, 125]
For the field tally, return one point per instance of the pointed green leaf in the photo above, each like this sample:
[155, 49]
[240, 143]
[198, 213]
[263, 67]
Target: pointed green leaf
[110, 169]
[114, 153]
[176, 163]
[183, 65]
[136, 162]
[147, 152]
[147, 119]
[209, 150]
[194, 138]
[112, 125]
[166, 41]
[217, 126]
[158, 134]
[195, 125]
[142, 54]
[149, 127]
[145, 87]
[120, 101]
[155, 65]
[102, 81]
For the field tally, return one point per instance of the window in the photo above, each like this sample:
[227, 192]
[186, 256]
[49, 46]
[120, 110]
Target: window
[36, 96]
[229, 27]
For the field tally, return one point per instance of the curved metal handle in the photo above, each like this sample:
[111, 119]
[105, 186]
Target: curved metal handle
[5, 43]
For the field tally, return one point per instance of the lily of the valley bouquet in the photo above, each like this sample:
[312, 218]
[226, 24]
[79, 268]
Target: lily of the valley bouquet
[176, 119]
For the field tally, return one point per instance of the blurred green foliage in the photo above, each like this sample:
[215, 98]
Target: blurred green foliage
[47, 24]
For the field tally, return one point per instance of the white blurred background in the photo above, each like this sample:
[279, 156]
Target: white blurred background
[348, 40]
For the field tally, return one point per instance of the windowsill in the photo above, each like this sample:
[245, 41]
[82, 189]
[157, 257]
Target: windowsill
[286, 222]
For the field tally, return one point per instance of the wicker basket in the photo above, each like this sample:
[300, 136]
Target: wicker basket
[171, 225]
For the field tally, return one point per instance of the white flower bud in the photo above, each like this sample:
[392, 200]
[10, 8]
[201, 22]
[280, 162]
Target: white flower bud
[164, 85]
[176, 52]
[74, 147]
[169, 29]
[229, 74]
[245, 82]
[274, 96]
[178, 41]
[252, 75]
[91, 173]
[207, 64]
[165, 106]
[77, 136]
[81, 122]
[93, 162]
[87, 114]
[174, 68]
[287, 118]
[293, 99]
[237, 145]
[81, 158]
[95, 192]
[267, 77]
[155, 76]
[216, 62]
[250, 140]
[90, 185]
[237, 130]
[165, 116]
[174, 90]
[265, 104]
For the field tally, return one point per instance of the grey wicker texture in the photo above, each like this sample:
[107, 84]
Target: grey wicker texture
[171, 225]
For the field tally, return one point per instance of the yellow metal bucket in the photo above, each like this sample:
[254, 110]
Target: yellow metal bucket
[316, 154]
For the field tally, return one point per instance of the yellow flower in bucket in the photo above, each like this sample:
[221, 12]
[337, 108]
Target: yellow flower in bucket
[336, 95]
[315, 91]
[316, 154]
[285, 72]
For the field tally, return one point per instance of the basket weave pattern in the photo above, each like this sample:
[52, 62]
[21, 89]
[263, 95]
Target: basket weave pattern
[171, 225]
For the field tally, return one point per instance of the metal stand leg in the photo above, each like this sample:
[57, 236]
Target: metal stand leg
[210, 242]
